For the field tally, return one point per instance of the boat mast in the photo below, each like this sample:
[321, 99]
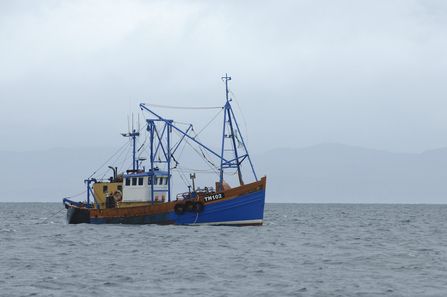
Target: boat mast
[134, 135]
[235, 162]
[157, 146]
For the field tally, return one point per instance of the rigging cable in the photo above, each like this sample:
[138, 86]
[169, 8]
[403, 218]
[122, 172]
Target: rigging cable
[108, 160]
[127, 155]
[182, 174]
[243, 118]
[179, 107]
[210, 122]
[207, 159]
[52, 216]
[124, 160]
[76, 195]
[204, 158]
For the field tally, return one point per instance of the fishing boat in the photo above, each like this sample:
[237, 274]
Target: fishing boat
[142, 194]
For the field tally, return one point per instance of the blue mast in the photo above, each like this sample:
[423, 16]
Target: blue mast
[134, 135]
[156, 140]
[234, 163]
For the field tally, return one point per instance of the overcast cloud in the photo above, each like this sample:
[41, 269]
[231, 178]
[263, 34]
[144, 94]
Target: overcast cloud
[362, 73]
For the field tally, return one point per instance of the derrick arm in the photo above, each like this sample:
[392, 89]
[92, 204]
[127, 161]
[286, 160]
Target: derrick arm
[143, 107]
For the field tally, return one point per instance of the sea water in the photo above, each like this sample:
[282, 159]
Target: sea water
[301, 250]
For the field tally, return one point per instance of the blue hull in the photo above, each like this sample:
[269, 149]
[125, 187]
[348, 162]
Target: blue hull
[245, 210]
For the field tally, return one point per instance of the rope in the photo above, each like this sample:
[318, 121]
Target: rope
[215, 169]
[242, 114]
[52, 216]
[202, 171]
[196, 217]
[108, 160]
[77, 194]
[209, 122]
[180, 107]
[209, 163]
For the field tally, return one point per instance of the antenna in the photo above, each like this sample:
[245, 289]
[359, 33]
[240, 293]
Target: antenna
[226, 79]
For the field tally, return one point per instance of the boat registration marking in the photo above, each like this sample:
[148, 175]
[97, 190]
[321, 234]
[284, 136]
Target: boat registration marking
[214, 197]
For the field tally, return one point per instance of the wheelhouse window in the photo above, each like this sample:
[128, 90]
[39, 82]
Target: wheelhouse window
[134, 181]
[127, 181]
[120, 188]
[104, 189]
[140, 181]
[160, 180]
[149, 180]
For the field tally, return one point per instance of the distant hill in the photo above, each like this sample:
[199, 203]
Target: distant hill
[50, 175]
[325, 173]
[335, 173]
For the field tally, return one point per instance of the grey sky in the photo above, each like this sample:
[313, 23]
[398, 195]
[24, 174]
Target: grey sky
[362, 73]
